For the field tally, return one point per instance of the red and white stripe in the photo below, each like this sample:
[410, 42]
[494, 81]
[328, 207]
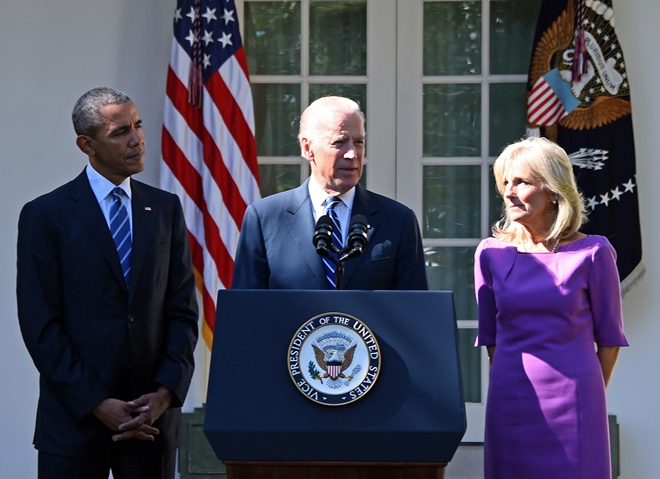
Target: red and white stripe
[334, 371]
[209, 159]
[543, 106]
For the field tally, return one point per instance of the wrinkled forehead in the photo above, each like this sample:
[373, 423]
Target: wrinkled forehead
[119, 113]
[338, 122]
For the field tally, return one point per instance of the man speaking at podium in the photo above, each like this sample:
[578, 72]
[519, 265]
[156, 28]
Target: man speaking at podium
[278, 244]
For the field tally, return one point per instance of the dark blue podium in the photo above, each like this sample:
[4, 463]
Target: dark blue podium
[408, 422]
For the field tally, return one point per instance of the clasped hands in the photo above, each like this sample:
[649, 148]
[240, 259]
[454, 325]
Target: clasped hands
[134, 419]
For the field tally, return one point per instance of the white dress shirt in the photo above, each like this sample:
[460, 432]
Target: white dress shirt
[343, 209]
[102, 188]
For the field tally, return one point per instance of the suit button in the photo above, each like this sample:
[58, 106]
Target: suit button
[130, 318]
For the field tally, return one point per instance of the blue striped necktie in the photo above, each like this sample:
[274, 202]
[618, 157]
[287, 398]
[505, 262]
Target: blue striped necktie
[121, 232]
[336, 240]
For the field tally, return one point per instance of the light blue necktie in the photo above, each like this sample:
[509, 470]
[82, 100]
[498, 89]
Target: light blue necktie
[121, 232]
[336, 240]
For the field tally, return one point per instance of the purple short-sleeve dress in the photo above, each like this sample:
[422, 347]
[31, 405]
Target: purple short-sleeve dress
[545, 414]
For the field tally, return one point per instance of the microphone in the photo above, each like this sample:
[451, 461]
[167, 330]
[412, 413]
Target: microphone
[322, 238]
[357, 237]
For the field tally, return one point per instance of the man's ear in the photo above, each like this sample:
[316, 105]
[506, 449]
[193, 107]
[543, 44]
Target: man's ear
[85, 145]
[306, 147]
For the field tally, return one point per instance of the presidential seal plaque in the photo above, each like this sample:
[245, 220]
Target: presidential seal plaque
[334, 359]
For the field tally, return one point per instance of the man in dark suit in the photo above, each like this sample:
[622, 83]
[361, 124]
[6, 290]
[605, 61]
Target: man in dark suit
[275, 248]
[113, 342]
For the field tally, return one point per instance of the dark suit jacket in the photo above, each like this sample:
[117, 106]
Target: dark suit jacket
[275, 249]
[89, 336]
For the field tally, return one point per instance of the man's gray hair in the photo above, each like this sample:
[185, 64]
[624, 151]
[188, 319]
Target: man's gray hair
[86, 112]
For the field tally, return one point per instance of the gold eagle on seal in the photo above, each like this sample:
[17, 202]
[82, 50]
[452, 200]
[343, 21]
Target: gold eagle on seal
[554, 50]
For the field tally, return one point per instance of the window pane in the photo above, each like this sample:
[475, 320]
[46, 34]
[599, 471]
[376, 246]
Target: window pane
[338, 38]
[452, 38]
[451, 202]
[356, 92]
[452, 120]
[272, 37]
[512, 24]
[470, 364]
[276, 114]
[452, 269]
[508, 115]
[276, 178]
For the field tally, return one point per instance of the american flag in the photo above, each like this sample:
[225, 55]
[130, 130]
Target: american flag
[209, 155]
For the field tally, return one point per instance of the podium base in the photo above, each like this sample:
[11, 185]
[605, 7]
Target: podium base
[333, 470]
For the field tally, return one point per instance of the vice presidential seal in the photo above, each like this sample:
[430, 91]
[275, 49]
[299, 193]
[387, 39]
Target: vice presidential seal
[334, 359]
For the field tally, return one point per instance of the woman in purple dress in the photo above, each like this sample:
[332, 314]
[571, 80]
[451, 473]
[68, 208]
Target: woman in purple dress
[550, 317]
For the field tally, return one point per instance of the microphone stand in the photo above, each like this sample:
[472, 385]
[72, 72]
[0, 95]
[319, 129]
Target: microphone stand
[339, 272]
[342, 255]
[323, 243]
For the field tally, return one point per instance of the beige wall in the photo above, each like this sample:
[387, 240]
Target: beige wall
[54, 51]
[635, 386]
[51, 53]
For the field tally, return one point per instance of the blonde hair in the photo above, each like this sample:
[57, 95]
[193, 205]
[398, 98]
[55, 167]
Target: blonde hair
[550, 165]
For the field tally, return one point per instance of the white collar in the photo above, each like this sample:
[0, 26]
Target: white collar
[318, 196]
[102, 187]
